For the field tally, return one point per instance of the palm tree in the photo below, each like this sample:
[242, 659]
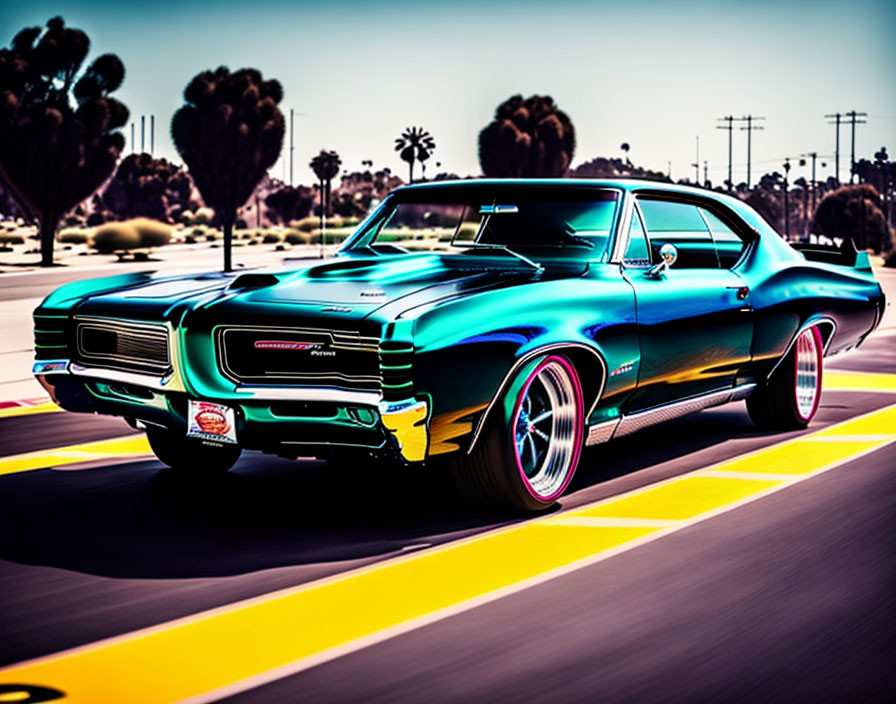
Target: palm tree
[229, 133]
[625, 149]
[326, 167]
[59, 127]
[414, 144]
[528, 138]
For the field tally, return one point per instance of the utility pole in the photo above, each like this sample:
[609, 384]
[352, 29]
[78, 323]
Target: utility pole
[854, 119]
[730, 127]
[749, 128]
[814, 157]
[292, 147]
[142, 133]
[133, 141]
[152, 134]
[786, 200]
[705, 173]
[696, 164]
[836, 122]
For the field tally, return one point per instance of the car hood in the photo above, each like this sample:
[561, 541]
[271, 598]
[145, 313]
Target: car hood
[346, 287]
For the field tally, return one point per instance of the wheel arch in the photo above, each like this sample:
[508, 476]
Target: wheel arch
[826, 327]
[587, 361]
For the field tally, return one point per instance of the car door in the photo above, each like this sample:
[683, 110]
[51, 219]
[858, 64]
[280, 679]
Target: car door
[694, 320]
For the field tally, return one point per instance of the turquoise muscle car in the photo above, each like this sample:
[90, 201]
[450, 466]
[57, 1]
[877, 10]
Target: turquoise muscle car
[495, 327]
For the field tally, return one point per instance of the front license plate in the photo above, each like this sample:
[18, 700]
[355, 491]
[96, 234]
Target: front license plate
[211, 421]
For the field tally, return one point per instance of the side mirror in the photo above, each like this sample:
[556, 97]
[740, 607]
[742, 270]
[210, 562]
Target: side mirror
[668, 256]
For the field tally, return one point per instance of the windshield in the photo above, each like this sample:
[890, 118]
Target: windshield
[456, 220]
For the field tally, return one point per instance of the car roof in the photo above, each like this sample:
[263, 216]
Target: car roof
[625, 184]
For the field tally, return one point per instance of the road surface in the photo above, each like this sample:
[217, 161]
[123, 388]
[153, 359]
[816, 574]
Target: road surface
[696, 561]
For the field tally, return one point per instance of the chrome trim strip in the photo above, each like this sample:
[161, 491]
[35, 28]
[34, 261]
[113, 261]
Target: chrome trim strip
[805, 326]
[525, 358]
[262, 393]
[623, 221]
[158, 383]
[602, 432]
[274, 393]
[669, 411]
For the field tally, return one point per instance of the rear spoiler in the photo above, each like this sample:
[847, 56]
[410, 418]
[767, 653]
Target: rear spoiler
[844, 255]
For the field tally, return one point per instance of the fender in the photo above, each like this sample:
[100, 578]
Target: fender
[553, 347]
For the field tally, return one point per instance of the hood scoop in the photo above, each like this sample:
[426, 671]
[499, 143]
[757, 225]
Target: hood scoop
[252, 281]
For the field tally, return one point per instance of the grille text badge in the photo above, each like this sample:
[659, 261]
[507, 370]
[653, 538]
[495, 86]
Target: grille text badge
[286, 345]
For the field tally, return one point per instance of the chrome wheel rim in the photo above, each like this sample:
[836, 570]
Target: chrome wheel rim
[808, 373]
[546, 428]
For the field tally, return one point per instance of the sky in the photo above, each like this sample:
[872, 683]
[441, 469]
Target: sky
[656, 75]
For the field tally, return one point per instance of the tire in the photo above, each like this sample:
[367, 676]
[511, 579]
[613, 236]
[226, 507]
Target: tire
[530, 447]
[790, 399]
[191, 456]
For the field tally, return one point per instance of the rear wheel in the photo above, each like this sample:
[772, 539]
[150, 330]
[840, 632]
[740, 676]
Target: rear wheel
[189, 455]
[530, 448]
[790, 399]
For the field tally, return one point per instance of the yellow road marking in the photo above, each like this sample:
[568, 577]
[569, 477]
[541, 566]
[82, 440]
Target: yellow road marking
[684, 498]
[12, 411]
[130, 446]
[233, 648]
[836, 380]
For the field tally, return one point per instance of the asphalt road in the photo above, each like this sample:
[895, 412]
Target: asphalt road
[789, 597]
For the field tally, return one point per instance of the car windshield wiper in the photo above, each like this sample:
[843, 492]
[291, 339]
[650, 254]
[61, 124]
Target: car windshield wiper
[505, 248]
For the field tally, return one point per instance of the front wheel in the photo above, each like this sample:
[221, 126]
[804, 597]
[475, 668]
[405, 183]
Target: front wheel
[790, 398]
[530, 448]
[189, 455]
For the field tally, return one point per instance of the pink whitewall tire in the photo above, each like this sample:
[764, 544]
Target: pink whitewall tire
[790, 398]
[529, 452]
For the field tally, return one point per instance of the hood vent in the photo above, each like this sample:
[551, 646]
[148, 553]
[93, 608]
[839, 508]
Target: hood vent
[244, 281]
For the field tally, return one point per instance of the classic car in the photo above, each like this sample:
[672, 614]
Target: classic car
[493, 327]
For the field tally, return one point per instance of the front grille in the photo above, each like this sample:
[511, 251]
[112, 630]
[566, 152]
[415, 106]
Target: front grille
[298, 356]
[51, 336]
[396, 367]
[128, 346]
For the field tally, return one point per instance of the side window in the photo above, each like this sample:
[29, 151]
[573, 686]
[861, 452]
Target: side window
[682, 225]
[729, 244]
[637, 251]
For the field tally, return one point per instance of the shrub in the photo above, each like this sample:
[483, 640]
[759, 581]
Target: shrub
[309, 224]
[74, 236]
[189, 239]
[270, 238]
[8, 238]
[186, 217]
[297, 237]
[152, 233]
[203, 216]
[199, 231]
[115, 237]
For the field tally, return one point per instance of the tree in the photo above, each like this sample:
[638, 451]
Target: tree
[289, 203]
[59, 138]
[148, 187]
[854, 211]
[601, 167]
[528, 138]
[414, 144]
[326, 167]
[625, 147]
[229, 133]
